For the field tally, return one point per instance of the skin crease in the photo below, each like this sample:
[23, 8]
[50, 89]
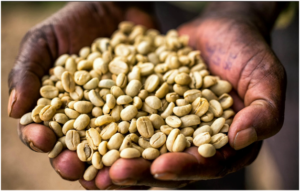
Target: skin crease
[234, 50]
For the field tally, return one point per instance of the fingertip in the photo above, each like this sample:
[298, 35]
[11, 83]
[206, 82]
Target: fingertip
[24, 95]
[103, 180]
[129, 169]
[38, 137]
[89, 185]
[173, 163]
[68, 165]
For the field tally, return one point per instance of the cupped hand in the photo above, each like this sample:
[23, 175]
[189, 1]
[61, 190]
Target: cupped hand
[77, 25]
[235, 51]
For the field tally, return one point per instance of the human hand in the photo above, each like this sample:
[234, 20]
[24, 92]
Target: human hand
[68, 30]
[237, 51]
[182, 167]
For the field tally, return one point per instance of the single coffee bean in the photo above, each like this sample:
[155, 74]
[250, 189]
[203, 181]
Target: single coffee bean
[90, 173]
[84, 151]
[49, 92]
[182, 110]
[109, 130]
[207, 117]
[81, 77]
[151, 83]
[158, 139]
[124, 100]
[168, 111]
[173, 121]
[97, 160]
[191, 95]
[72, 140]
[216, 108]
[203, 129]
[179, 144]
[219, 140]
[166, 129]
[202, 138]
[72, 114]
[81, 122]
[217, 125]
[115, 141]
[207, 150]
[153, 102]
[133, 88]
[47, 112]
[44, 101]
[187, 131]
[129, 153]
[144, 127]
[128, 113]
[157, 121]
[56, 128]
[93, 138]
[118, 67]
[123, 127]
[110, 157]
[226, 101]
[61, 60]
[209, 95]
[196, 80]
[83, 106]
[221, 87]
[58, 147]
[126, 143]
[26, 119]
[103, 120]
[190, 120]
[68, 126]
[183, 79]
[67, 81]
[150, 153]
[102, 148]
[137, 102]
[200, 106]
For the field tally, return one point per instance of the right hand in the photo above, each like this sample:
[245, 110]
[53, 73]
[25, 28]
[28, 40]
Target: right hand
[68, 30]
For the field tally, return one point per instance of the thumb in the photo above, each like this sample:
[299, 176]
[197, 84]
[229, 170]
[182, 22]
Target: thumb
[33, 61]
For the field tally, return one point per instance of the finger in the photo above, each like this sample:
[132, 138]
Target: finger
[238, 103]
[89, 185]
[189, 165]
[104, 182]
[137, 172]
[32, 63]
[264, 98]
[68, 165]
[140, 17]
[37, 137]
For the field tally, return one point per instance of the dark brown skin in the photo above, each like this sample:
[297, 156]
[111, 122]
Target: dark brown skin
[233, 39]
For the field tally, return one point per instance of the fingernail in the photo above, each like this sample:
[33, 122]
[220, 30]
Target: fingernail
[245, 138]
[125, 182]
[112, 187]
[12, 100]
[33, 147]
[165, 176]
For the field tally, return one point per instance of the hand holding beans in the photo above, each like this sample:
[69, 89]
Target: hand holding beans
[176, 161]
[104, 128]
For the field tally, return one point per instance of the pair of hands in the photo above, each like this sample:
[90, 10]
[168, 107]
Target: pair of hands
[234, 49]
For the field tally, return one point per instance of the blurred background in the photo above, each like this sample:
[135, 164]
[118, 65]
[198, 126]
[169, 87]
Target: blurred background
[277, 166]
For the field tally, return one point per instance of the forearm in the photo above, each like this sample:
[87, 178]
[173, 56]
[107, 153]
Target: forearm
[259, 14]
